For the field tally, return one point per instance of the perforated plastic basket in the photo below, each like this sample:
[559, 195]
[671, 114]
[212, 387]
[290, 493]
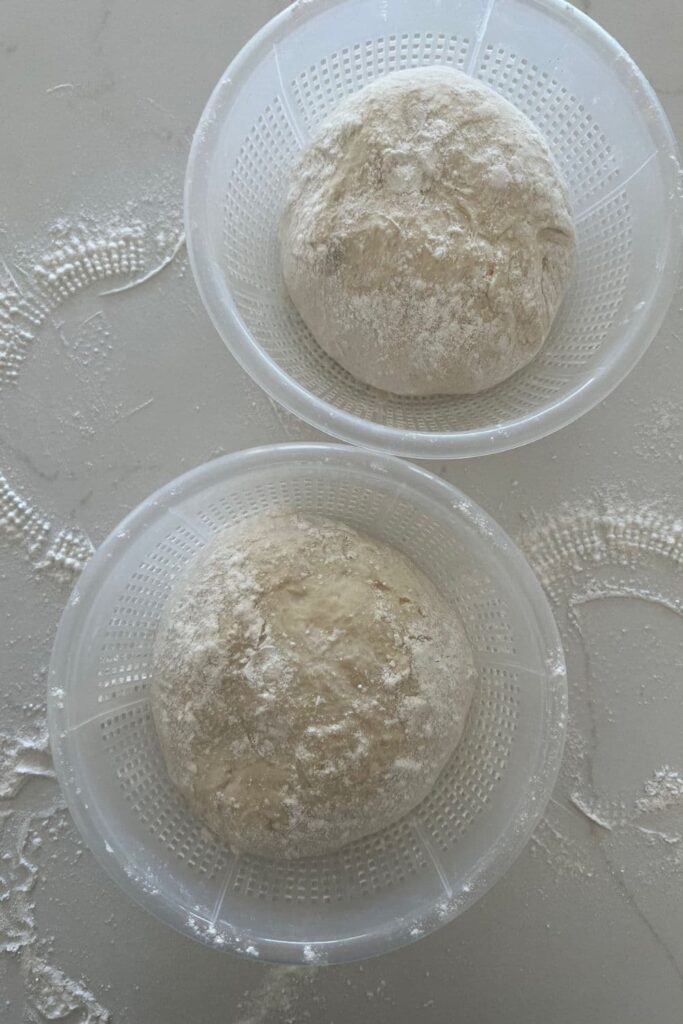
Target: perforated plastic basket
[602, 122]
[379, 892]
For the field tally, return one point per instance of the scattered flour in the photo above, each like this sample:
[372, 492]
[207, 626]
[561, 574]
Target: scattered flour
[22, 758]
[563, 852]
[576, 541]
[80, 253]
[603, 550]
[274, 1000]
[50, 994]
[663, 790]
[54, 996]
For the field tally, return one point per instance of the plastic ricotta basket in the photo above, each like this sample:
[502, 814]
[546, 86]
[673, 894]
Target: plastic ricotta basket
[379, 892]
[600, 118]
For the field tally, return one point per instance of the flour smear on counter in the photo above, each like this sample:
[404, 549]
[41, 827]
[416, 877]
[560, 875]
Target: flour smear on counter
[603, 551]
[78, 253]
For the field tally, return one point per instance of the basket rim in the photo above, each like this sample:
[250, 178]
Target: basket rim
[80, 794]
[496, 437]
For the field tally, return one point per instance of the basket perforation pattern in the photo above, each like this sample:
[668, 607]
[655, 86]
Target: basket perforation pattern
[125, 657]
[580, 147]
[320, 87]
[479, 762]
[597, 293]
[364, 867]
[129, 737]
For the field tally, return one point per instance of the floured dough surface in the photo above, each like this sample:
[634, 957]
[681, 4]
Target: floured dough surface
[426, 239]
[309, 685]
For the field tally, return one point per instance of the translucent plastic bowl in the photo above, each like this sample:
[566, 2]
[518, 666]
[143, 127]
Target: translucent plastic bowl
[379, 892]
[603, 124]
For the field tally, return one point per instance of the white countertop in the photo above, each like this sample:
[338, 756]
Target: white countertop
[115, 394]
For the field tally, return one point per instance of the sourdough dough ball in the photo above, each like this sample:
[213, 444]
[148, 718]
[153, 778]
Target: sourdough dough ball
[427, 239]
[309, 685]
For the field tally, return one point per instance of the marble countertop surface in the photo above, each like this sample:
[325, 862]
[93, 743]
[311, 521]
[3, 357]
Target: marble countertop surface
[111, 391]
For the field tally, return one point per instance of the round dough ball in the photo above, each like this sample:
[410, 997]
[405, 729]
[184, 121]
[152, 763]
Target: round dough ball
[309, 685]
[427, 240]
